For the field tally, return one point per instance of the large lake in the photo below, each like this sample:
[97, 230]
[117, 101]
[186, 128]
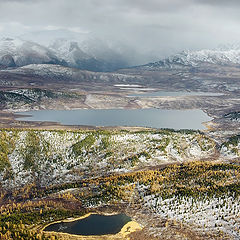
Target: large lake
[95, 224]
[155, 118]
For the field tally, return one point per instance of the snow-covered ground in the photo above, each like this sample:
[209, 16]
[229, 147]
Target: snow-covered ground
[56, 161]
[56, 157]
[221, 56]
[209, 214]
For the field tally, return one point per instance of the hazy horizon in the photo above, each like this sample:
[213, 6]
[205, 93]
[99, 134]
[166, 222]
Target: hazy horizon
[151, 30]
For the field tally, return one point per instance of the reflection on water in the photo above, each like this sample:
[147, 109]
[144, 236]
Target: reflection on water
[95, 224]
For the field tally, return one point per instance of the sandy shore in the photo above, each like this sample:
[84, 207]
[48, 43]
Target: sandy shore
[128, 228]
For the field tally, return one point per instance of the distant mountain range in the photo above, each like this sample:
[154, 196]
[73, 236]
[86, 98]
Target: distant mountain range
[85, 52]
[225, 55]
[17, 53]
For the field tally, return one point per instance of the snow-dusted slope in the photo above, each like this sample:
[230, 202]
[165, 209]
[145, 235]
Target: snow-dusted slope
[88, 54]
[17, 52]
[60, 73]
[84, 53]
[229, 55]
[114, 54]
[69, 50]
[74, 56]
[58, 153]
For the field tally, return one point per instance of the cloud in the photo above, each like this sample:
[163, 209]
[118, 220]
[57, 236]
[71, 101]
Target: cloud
[20, 1]
[219, 3]
[157, 27]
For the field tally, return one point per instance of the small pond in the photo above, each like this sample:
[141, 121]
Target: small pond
[95, 224]
[155, 118]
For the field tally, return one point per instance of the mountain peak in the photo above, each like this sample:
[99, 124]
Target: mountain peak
[224, 55]
[18, 52]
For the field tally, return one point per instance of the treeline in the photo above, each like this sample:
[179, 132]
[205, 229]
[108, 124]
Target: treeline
[195, 179]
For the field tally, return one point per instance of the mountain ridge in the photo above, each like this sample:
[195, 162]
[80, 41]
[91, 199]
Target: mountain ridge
[94, 55]
[16, 52]
[225, 55]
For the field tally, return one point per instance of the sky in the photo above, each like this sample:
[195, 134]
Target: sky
[154, 27]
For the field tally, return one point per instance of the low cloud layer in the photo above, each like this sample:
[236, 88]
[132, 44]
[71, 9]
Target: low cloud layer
[156, 27]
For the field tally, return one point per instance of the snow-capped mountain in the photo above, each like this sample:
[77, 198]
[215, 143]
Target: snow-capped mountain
[226, 55]
[83, 50]
[16, 52]
[90, 54]
[85, 53]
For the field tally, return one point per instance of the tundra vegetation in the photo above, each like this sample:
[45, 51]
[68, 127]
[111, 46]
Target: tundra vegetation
[53, 175]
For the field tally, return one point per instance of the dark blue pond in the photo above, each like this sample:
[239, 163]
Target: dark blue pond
[95, 224]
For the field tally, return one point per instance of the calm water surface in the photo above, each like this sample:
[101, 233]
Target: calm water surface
[155, 118]
[95, 224]
[173, 94]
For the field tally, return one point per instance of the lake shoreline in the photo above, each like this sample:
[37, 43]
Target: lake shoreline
[128, 228]
[149, 118]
